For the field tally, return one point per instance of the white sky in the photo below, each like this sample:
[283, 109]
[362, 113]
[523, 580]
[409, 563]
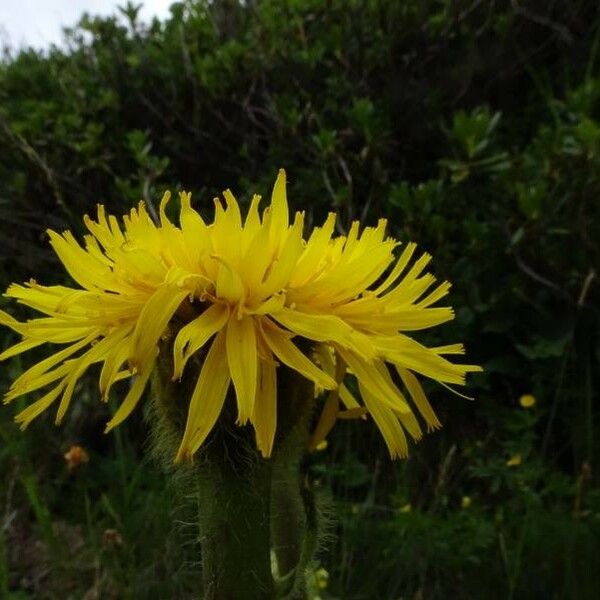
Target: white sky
[38, 23]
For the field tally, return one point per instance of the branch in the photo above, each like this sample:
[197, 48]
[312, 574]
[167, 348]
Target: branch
[19, 142]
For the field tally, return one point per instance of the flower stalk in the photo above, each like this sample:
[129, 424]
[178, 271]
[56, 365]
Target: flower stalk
[256, 517]
[234, 511]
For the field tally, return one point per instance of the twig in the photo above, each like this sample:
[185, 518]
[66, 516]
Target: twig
[21, 143]
[536, 276]
[562, 31]
[586, 287]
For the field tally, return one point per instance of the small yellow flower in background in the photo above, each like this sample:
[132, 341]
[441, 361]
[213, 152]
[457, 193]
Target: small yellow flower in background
[405, 509]
[322, 578]
[465, 502]
[527, 400]
[514, 461]
[321, 446]
[244, 292]
[75, 457]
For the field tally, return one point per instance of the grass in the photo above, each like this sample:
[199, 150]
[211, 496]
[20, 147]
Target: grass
[110, 528]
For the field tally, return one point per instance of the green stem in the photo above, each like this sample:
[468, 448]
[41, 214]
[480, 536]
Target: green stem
[288, 518]
[246, 504]
[294, 531]
[293, 519]
[234, 518]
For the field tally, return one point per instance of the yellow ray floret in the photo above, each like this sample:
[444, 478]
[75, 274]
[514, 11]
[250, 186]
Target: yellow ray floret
[245, 297]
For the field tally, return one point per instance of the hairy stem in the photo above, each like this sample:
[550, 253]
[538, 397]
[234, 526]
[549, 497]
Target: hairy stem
[246, 504]
[234, 517]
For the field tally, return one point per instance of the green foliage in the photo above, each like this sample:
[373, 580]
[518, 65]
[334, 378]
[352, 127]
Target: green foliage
[475, 129]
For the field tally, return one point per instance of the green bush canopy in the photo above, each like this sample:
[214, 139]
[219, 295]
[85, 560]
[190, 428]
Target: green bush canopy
[474, 128]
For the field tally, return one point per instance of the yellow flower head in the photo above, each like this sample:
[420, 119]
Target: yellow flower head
[244, 291]
[527, 400]
[514, 461]
[322, 578]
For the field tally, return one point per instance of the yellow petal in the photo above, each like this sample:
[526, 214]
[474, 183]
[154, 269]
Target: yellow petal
[405, 320]
[20, 347]
[191, 221]
[325, 356]
[284, 265]
[398, 293]
[46, 299]
[325, 328]
[112, 365]
[133, 396]
[230, 286]
[264, 414]
[195, 334]
[280, 344]
[350, 277]
[252, 223]
[271, 305]
[399, 404]
[164, 220]
[419, 398]
[348, 399]
[116, 230]
[326, 421]
[387, 422]
[152, 323]
[45, 365]
[39, 406]
[96, 353]
[353, 413]
[100, 229]
[38, 382]
[59, 330]
[371, 377]
[257, 259]
[194, 230]
[405, 352]
[434, 296]
[144, 269]
[397, 270]
[93, 247]
[242, 358]
[449, 349]
[312, 257]
[207, 399]
[233, 211]
[84, 268]
[279, 211]
[227, 230]
[352, 237]
[10, 321]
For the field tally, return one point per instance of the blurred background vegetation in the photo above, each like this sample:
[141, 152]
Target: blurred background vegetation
[474, 127]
